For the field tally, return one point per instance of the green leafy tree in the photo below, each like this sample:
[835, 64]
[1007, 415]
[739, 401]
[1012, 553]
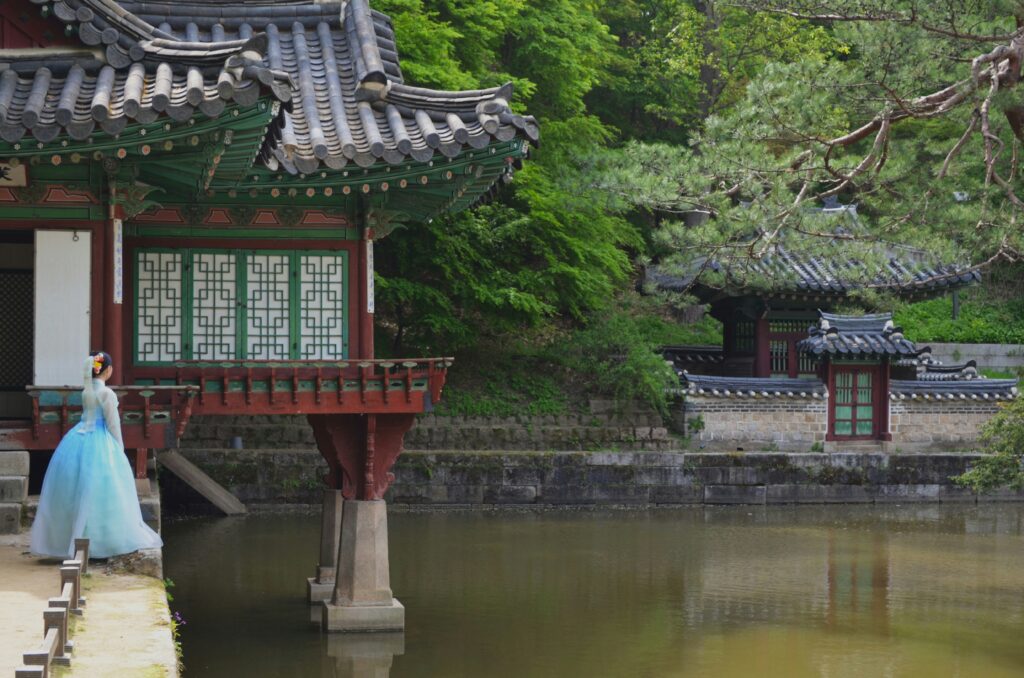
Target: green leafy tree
[1004, 438]
[680, 60]
[550, 248]
[918, 125]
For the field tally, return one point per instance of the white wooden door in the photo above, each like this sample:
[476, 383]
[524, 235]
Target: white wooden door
[62, 281]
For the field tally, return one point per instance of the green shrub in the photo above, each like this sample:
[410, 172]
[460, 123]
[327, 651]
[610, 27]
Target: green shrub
[984, 319]
[557, 371]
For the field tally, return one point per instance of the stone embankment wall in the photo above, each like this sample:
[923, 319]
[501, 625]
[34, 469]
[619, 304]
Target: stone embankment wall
[278, 461]
[680, 478]
[266, 477]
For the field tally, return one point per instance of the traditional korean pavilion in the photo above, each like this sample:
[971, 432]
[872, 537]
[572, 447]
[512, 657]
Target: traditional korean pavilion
[792, 375]
[196, 187]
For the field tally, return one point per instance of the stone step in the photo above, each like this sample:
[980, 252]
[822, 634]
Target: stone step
[10, 517]
[14, 463]
[13, 489]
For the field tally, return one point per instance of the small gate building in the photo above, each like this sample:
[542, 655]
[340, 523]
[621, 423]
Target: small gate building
[791, 375]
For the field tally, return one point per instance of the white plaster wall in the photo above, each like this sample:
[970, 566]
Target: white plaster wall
[62, 266]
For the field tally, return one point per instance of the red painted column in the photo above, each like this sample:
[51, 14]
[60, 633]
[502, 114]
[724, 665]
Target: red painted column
[141, 454]
[113, 309]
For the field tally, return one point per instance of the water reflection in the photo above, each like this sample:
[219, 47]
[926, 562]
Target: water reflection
[364, 655]
[724, 592]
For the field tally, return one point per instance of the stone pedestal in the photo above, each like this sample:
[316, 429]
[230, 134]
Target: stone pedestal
[365, 655]
[321, 587]
[362, 599]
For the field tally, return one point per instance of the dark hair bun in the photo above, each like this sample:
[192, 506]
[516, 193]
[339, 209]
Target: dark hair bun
[101, 360]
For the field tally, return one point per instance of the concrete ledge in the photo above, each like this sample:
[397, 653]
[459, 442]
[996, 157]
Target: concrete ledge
[357, 619]
[318, 592]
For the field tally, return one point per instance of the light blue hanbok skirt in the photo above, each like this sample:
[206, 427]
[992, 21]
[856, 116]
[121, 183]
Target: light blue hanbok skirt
[89, 491]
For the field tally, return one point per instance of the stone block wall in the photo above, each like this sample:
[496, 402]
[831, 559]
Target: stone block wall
[594, 431]
[601, 429]
[938, 425]
[749, 423]
[798, 424]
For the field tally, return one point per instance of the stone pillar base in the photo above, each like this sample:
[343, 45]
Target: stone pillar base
[362, 599]
[363, 618]
[321, 587]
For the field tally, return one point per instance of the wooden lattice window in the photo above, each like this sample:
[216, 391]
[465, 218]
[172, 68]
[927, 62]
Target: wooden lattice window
[744, 342]
[783, 357]
[198, 304]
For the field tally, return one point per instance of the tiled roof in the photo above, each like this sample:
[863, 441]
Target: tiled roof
[939, 372]
[968, 389]
[46, 92]
[857, 335]
[349, 100]
[754, 387]
[685, 356]
[905, 270]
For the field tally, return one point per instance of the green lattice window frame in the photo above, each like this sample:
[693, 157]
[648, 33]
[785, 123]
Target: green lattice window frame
[305, 340]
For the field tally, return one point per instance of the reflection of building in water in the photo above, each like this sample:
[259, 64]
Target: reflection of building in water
[858, 581]
[841, 580]
[364, 655]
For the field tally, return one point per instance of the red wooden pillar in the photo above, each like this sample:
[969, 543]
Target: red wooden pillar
[360, 450]
[141, 455]
[113, 309]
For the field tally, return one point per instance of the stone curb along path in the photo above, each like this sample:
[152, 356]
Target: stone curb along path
[126, 630]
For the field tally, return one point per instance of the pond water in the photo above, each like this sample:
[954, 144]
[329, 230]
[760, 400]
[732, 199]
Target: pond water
[771, 592]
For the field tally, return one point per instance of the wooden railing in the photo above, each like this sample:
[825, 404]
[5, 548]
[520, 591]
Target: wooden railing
[56, 646]
[148, 407]
[256, 387]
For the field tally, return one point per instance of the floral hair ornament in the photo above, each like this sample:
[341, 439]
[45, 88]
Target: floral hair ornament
[97, 363]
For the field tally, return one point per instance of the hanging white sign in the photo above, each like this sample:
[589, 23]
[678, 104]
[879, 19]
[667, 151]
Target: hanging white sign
[118, 261]
[369, 276]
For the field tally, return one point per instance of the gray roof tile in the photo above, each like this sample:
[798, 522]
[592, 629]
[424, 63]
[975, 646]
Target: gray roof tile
[869, 335]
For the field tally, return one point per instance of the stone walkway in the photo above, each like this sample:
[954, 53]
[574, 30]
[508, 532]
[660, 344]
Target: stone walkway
[25, 585]
[125, 630]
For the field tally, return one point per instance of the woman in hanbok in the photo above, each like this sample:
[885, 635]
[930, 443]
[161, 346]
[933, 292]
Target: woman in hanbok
[89, 488]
